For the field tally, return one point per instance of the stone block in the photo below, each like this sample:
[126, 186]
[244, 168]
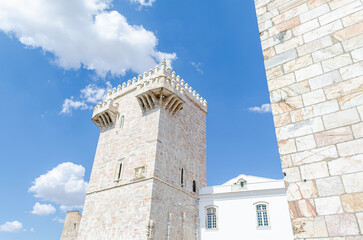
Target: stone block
[353, 43]
[324, 80]
[350, 148]
[280, 82]
[346, 165]
[287, 105]
[352, 202]
[299, 129]
[340, 89]
[353, 183]
[301, 190]
[289, 44]
[342, 225]
[349, 32]
[325, 30]
[274, 72]
[281, 58]
[293, 22]
[360, 221]
[298, 63]
[285, 161]
[289, 91]
[351, 100]
[328, 205]
[357, 55]
[305, 27]
[292, 174]
[336, 62]
[314, 155]
[358, 130]
[352, 19]
[308, 72]
[305, 143]
[283, 17]
[333, 136]
[282, 119]
[314, 13]
[341, 118]
[287, 146]
[328, 52]
[334, 4]
[340, 12]
[329, 186]
[315, 3]
[314, 111]
[302, 208]
[309, 227]
[314, 170]
[269, 53]
[315, 45]
[313, 97]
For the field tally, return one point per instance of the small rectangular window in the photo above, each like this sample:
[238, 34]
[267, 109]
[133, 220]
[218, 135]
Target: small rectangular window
[119, 170]
[211, 218]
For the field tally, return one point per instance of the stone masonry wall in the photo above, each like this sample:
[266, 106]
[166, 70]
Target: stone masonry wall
[313, 52]
[71, 225]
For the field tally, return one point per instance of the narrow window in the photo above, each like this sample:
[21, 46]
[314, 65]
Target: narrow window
[75, 225]
[262, 218]
[119, 171]
[182, 177]
[122, 121]
[194, 186]
[211, 218]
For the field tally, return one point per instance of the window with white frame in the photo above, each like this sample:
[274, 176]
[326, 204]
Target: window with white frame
[211, 220]
[262, 215]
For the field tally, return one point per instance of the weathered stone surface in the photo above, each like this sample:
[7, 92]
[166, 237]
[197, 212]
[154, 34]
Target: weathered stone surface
[333, 136]
[302, 208]
[358, 130]
[280, 59]
[328, 205]
[343, 88]
[325, 80]
[351, 100]
[346, 165]
[314, 155]
[314, 170]
[353, 183]
[306, 127]
[336, 62]
[341, 225]
[314, 45]
[293, 90]
[314, 111]
[350, 148]
[282, 119]
[328, 52]
[349, 32]
[313, 97]
[292, 174]
[305, 143]
[287, 105]
[287, 146]
[360, 221]
[352, 202]
[308, 72]
[309, 227]
[301, 190]
[342, 118]
[329, 186]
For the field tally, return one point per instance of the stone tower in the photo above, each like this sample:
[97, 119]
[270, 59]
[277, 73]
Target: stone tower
[149, 163]
[71, 225]
[313, 51]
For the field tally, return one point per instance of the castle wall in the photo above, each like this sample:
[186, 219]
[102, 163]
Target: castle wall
[313, 52]
[71, 225]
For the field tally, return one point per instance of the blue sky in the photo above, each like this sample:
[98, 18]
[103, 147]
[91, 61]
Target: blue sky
[55, 67]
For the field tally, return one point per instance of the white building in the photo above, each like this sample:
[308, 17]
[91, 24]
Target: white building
[246, 207]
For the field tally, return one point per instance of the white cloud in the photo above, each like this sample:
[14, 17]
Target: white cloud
[43, 209]
[197, 67]
[32, 230]
[90, 95]
[14, 226]
[70, 104]
[82, 33]
[62, 185]
[144, 3]
[265, 108]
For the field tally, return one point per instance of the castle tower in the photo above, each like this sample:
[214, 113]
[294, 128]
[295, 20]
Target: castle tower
[149, 163]
[314, 66]
[71, 225]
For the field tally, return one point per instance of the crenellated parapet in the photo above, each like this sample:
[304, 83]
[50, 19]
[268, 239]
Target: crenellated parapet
[159, 87]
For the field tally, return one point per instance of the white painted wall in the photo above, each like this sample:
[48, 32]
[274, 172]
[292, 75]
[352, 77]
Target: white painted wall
[237, 217]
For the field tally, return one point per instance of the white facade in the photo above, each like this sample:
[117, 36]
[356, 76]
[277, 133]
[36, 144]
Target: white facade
[236, 214]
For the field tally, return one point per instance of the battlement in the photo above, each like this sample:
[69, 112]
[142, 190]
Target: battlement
[159, 77]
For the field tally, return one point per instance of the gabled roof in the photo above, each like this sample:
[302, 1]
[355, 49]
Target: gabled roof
[249, 179]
